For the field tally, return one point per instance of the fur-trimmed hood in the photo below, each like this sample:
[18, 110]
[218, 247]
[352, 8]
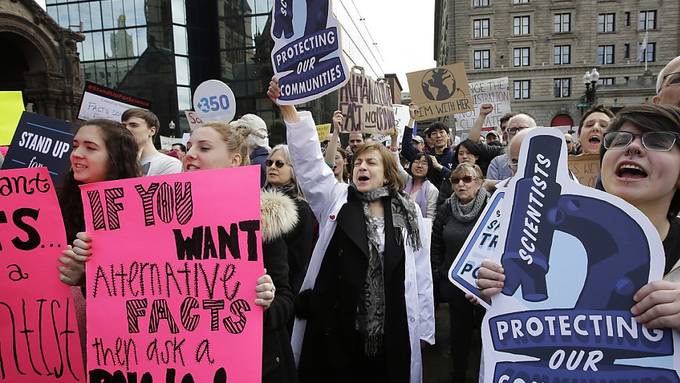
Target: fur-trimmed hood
[279, 214]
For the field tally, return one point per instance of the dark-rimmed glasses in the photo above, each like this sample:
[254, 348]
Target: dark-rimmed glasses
[279, 164]
[670, 79]
[465, 179]
[655, 141]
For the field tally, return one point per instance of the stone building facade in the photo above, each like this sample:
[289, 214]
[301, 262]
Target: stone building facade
[546, 46]
[40, 59]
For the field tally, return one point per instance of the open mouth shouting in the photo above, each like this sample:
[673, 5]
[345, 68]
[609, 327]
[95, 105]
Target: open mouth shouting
[630, 171]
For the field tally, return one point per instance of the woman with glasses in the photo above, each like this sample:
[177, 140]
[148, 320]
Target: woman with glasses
[301, 239]
[366, 302]
[422, 191]
[455, 219]
[640, 162]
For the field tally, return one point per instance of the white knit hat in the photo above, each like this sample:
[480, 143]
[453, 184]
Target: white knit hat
[255, 128]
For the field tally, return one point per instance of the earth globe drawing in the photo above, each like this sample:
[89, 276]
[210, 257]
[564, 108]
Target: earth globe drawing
[438, 84]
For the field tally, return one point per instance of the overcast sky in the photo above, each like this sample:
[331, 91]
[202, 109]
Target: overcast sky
[404, 31]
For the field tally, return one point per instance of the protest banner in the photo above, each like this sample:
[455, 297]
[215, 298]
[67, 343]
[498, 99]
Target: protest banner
[38, 329]
[102, 102]
[307, 55]
[366, 104]
[573, 258]
[11, 107]
[167, 142]
[41, 141]
[402, 117]
[177, 301]
[214, 101]
[323, 130]
[586, 168]
[193, 118]
[495, 92]
[440, 92]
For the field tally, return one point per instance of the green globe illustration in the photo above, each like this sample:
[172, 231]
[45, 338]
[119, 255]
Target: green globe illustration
[438, 84]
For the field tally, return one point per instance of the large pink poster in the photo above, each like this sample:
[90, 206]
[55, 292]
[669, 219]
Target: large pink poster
[171, 283]
[38, 331]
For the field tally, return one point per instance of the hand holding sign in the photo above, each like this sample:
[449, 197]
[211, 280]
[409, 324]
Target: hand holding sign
[555, 233]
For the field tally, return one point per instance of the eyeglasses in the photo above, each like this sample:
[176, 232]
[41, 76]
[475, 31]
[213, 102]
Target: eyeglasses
[279, 164]
[655, 141]
[516, 129]
[465, 179]
[673, 79]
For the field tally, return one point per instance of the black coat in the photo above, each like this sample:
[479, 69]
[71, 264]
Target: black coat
[301, 243]
[332, 348]
[448, 237]
[278, 364]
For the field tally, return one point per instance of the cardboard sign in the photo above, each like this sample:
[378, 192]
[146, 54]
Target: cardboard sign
[307, 55]
[102, 102]
[194, 119]
[323, 130]
[173, 280]
[366, 104]
[214, 101]
[440, 92]
[11, 107]
[573, 258]
[38, 329]
[41, 141]
[586, 168]
[494, 92]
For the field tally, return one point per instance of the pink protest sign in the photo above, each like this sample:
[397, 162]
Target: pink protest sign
[38, 332]
[171, 283]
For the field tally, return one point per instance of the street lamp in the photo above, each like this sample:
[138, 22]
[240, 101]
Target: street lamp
[590, 97]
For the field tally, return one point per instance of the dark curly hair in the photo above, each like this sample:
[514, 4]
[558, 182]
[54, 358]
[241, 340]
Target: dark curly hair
[122, 150]
[650, 118]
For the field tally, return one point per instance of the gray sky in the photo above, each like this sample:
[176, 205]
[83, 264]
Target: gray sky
[404, 31]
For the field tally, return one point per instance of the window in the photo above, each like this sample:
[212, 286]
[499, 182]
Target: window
[626, 51]
[520, 25]
[520, 1]
[647, 20]
[603, 81]
[562, 87]
[521, 57]
[521, 88]
[627, 19]
[606, 22]
[482, 59]
[562, 22]
[605, 54]
[562, 54]
[649, 53]
[480, 3]
[480, 28]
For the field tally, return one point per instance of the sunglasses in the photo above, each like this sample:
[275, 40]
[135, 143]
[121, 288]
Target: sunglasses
[465, 179]
[673, 79]
[279, 164]
[655, 141]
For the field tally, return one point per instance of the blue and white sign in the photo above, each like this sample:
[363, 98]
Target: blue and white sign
[40, 141]
[573, 258]
[307, 54]
[214, 101]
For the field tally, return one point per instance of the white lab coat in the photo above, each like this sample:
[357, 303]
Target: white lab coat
[326, 197]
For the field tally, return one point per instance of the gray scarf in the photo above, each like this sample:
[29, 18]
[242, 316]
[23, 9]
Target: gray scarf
[471, 210]
[370, 321]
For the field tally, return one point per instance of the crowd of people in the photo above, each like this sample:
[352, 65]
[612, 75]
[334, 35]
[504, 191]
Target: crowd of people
[359, 240]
